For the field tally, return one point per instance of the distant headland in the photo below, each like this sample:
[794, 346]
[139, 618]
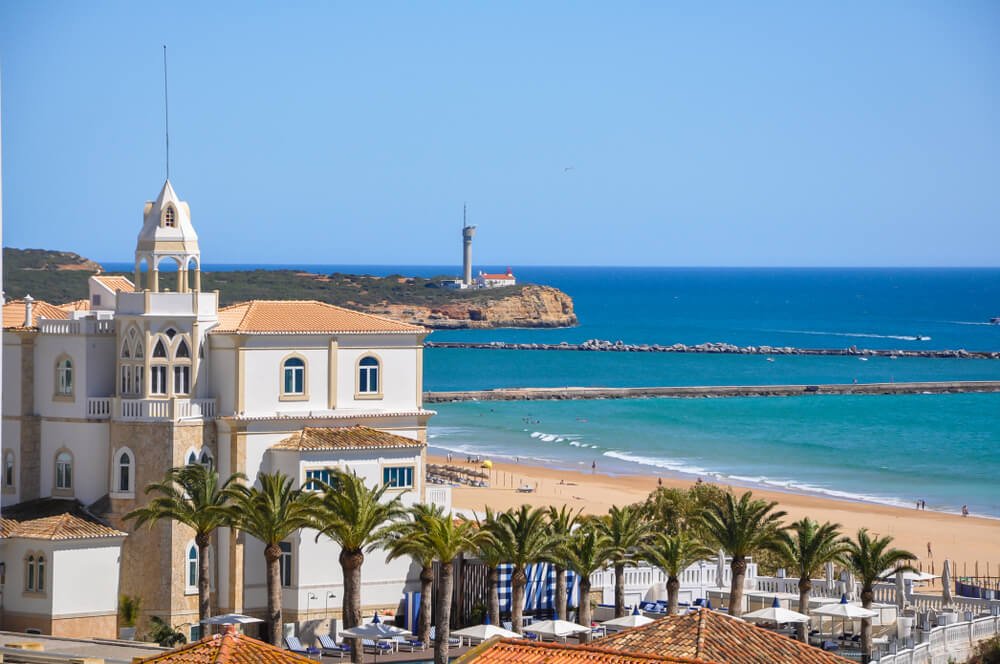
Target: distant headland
[60, 276]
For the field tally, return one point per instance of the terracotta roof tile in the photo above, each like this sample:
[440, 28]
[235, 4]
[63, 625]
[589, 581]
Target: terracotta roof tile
[13, 313]
[75, 305]
[53, 519]
[303, 317]
[511, 651]
[229, 648]
[714, 636]
[343, 438]
[116, 283]
[497, 276]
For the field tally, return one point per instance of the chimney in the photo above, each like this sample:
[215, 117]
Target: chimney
[28, 306]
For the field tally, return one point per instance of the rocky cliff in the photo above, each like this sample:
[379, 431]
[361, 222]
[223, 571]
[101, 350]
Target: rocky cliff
[533, 306]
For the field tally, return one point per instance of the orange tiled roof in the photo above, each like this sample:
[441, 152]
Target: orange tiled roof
[75, 305]
[716, 637]
[343, 438]
[302, 317]
[58, 527]
[13, 313]
[116, 283]
[497, 276]
[228, 648]
[511, 651]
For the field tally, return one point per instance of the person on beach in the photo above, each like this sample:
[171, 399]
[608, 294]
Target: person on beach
[593, 466]
[965, 510]
[929, 554]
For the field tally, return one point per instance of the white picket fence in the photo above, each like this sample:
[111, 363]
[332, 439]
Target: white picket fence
[951, 643]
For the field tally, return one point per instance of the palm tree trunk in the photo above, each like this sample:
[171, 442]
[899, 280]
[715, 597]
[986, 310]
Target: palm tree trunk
[518, 581]
[350, 563]
[867, 596]
[739, 567]
[443, 614]
[272, 555]
[204, 592]
[584, 616]
[805, 587]
[673, 594]
[493, 586]
[560, 592]
[426, 593]
[619, 590]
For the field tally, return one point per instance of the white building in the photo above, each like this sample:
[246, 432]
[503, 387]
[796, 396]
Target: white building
[486, 280]
[103, 396]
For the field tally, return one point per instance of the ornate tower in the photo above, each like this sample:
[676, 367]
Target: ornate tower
[167, 233]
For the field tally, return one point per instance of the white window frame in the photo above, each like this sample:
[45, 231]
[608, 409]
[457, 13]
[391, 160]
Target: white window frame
[116, 474]
[365, 374]
[158, 379]
[191, 573]
[182, 379]
[400, 472]
[63, 480]
[286, 564]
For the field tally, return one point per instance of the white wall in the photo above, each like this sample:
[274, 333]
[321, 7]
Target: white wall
[399, 367]
[85, 576]
[89, 444]
[15, 600]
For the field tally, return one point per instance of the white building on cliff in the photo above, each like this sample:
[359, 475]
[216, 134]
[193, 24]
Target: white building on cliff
[102, 396]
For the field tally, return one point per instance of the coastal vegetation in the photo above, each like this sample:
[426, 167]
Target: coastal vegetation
[671, 529]
[59, 277]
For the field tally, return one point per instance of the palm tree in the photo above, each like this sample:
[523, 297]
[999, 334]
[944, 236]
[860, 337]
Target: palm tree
[805, 547]
[672, 553]
[447, 538]
[353, 515]
[871, 559]
[191, 495]
[741, 527]
[488, 551]
[410, 538]
[585, 552]
[561, 523]
[522, 538]
[626, 529]
[272, 513]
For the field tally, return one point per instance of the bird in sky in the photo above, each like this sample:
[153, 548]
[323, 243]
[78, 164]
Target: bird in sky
[569, 168]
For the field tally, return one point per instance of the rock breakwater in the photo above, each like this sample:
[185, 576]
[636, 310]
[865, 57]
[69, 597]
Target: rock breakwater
[601, 345]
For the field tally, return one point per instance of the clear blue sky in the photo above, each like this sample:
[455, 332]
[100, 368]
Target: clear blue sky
[744, 133]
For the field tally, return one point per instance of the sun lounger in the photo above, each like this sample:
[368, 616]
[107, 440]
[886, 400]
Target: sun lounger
[453, 642]
[409, 645]
[293, 644]
[331, 648]
[368, 645]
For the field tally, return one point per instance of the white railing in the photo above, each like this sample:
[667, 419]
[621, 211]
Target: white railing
[80, 326]
[439, 495]
[946, 644]
[696, 580]
[165, 409]
[99, 409]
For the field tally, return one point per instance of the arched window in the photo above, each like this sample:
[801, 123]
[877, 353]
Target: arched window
[159, 350]
[192, 566]
[64, 470]
[64, 377]
[192, 457]
[170, 217]
[205, 459]
[126, 351]
[8, 469]
[40, 574]
[368, 378]
[294, 371]
[182, 349]
[29, 573]
[124, 478]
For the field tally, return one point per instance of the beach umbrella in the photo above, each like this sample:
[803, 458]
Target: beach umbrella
[776, 614]
[486, 464]
[635, 619]
[376, 630]
[231, 619]
[555, 628]
[831, 582]
[486, 631]
[947, 599]
[844, 611]
[900, 592]
[720, 570]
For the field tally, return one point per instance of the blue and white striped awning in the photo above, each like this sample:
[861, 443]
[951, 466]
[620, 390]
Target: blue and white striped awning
[540, 592]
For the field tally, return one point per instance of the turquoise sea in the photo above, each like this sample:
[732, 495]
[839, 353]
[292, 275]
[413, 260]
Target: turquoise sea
[944, 449]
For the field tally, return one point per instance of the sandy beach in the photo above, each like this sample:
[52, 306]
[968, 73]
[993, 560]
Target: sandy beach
[964, 540]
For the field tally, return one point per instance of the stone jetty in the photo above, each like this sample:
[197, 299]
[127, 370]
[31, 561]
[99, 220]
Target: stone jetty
[570, 393]
[602, 345]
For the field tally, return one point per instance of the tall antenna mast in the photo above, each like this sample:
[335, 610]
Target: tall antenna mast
[464, 224]
[166, 109]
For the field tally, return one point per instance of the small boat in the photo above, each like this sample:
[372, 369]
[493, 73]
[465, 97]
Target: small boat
[920, 337]
[995, 320]
[770, 359]
[863, 359]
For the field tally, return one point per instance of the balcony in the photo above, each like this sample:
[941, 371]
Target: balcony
[88, 326]
[150, 410]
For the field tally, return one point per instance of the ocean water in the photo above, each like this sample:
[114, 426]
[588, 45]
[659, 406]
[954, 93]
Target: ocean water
[876, 448]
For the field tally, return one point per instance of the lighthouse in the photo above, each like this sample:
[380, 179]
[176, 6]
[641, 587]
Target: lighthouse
[467, 234]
